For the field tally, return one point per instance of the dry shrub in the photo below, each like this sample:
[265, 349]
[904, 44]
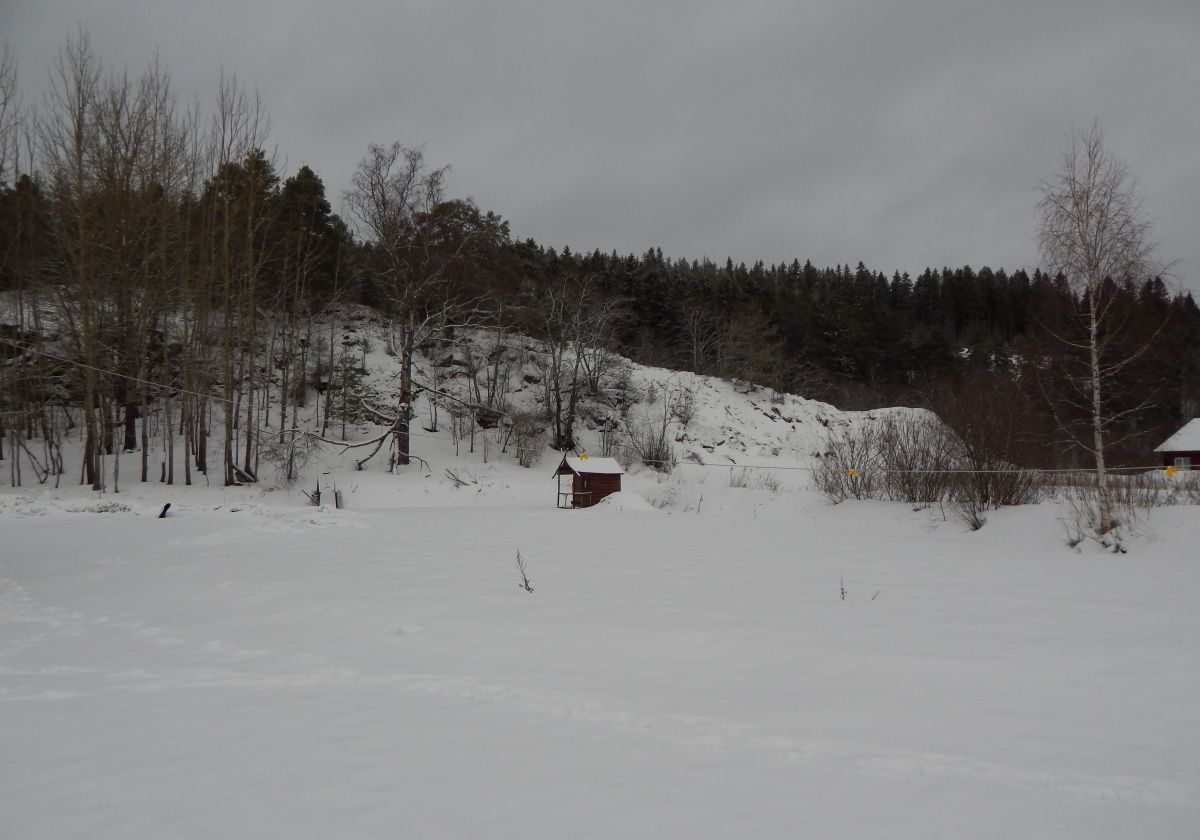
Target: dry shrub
[903, 458]
[916, 452]
[753, 479]
[683, 405]
[289, 452]
[650, 443]
[648, 431]
[915, 458]
[526, 433]
[988, 485]
[848, 468]
[1132, 498]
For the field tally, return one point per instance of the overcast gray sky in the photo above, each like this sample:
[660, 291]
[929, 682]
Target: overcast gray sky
[902, 134]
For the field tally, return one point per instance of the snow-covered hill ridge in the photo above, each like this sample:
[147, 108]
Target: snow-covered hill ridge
[709, 420]
[482, 398]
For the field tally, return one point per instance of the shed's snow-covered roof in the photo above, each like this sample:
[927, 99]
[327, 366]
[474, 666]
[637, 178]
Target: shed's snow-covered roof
[1186, 439]
[594, 466]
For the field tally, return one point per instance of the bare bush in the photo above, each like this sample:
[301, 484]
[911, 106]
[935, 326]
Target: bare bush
[620, 378]
[917, 454]
[1189, 488]
[526, 433]
[989, 484]
[1128, 500]
[289, 453]
[683, 405]
[753, 479]
[971, 510]
[848, 467]
[1131, 499]
[906, 458]
[650, 443]
[915, 458]
[1079, 511]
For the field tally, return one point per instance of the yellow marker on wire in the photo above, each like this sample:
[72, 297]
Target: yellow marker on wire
[853, 473]
[1170, 471]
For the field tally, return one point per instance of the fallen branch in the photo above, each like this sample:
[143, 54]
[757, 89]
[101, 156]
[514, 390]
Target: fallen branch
[242, 475]
[458, 481]
[42, 473]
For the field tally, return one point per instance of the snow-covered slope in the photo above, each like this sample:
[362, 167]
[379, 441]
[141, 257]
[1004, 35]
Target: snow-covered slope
[713, 421]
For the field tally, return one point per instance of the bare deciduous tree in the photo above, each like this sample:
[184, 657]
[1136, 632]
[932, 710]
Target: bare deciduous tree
[420, 247]
[705, 330]
[1093, 231]
[577, 331]
[10, 112]
[392, 188]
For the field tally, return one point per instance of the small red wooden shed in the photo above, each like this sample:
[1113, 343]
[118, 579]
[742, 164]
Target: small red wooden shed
[1182, 449]
[591, 480]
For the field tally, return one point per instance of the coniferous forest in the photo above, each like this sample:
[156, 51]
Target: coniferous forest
[175, 256]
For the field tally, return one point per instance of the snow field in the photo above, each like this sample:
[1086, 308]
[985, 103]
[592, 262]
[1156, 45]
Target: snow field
[253, 667]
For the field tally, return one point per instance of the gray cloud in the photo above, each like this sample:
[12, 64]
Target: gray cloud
[903, 135]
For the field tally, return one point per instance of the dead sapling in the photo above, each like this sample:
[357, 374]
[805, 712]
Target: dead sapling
[842, 586]
[524, 584]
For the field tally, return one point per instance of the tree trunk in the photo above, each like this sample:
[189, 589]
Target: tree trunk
[404, 410]
[1104, 499]
[130, 426]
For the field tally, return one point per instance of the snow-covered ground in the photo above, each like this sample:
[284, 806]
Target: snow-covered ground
[253, 667]
[686, 666]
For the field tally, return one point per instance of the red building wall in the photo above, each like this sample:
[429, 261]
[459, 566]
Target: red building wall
[590, 488]
[1169, 458]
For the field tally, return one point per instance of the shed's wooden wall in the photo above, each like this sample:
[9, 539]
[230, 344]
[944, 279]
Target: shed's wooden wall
[598, 486]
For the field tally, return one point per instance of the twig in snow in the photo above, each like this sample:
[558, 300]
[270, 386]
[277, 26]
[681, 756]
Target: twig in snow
[524, 584]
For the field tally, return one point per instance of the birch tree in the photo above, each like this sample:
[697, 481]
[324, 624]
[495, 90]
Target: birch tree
[1094, 233]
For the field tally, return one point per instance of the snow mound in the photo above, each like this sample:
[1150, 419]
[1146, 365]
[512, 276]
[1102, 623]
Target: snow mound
[625, 500]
